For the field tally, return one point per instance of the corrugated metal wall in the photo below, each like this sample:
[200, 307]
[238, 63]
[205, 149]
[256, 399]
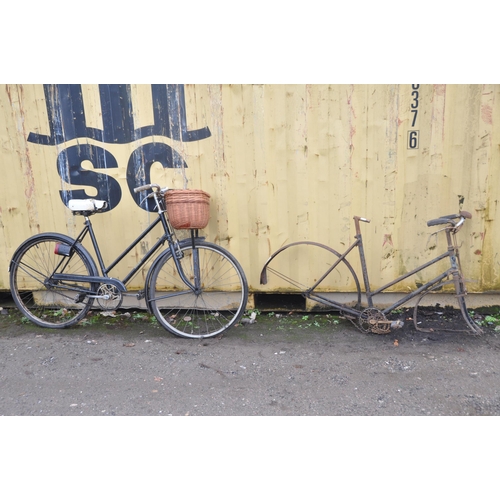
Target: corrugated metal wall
[282, 162]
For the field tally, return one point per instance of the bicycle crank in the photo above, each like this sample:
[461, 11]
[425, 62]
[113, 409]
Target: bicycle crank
[109, 297]
[373, 320]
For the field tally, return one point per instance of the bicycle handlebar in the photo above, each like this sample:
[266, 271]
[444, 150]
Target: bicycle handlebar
[450, 219]
[147, 186]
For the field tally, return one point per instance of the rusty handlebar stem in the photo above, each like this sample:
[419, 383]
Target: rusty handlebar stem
[357, 220]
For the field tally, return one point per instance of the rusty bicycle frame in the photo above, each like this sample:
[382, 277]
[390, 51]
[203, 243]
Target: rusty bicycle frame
[370, 318]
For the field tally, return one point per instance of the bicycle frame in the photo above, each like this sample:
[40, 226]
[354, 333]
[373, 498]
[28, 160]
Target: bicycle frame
[352, 312]
[194, 288]
[451, 253]
[121, 284]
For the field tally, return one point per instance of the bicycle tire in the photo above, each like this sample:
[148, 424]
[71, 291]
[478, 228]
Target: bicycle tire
[300, 265]
[218, 305]
[45, 302]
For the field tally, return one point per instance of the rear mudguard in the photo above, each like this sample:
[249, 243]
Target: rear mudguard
[66, 239]
[263, 274]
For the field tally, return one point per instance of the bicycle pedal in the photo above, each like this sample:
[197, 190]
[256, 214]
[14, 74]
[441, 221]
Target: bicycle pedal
[396, 325]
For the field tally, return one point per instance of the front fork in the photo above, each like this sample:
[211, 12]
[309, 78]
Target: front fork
[458, 280]
[178, 255]
[455, 264]
[196, 263]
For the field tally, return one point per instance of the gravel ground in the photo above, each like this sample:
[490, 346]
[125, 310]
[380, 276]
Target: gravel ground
[291, 364]
[281, 365]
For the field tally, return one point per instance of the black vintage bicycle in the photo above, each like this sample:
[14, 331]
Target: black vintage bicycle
[194, 288]
[291, 264]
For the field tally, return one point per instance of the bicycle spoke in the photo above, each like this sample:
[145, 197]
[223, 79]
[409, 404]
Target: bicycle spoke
[44, 302]
[196, 313]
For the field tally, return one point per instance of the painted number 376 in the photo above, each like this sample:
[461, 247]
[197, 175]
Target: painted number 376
[413, 134]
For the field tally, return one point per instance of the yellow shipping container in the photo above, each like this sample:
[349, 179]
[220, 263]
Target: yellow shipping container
[282, 163]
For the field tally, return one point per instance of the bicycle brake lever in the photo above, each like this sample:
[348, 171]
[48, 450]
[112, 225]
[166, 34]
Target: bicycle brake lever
[150, 195]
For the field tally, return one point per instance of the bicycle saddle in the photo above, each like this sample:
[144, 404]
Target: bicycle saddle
[449, 219]
[88, 206]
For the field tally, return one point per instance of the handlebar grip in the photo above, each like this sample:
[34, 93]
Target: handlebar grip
[145, 187]
[449, 219]
[439, 221]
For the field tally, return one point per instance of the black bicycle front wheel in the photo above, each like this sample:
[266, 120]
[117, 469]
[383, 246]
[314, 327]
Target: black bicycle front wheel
[47, 302]
[215, 302]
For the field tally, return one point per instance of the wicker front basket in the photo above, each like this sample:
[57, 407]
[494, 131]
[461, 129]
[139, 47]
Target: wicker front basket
[188, 208]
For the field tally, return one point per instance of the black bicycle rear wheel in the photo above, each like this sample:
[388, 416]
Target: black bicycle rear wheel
[47, 302]
[219, 298]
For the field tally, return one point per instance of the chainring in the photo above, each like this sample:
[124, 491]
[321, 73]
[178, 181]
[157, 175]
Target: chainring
[109, 297]
[373, 320]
